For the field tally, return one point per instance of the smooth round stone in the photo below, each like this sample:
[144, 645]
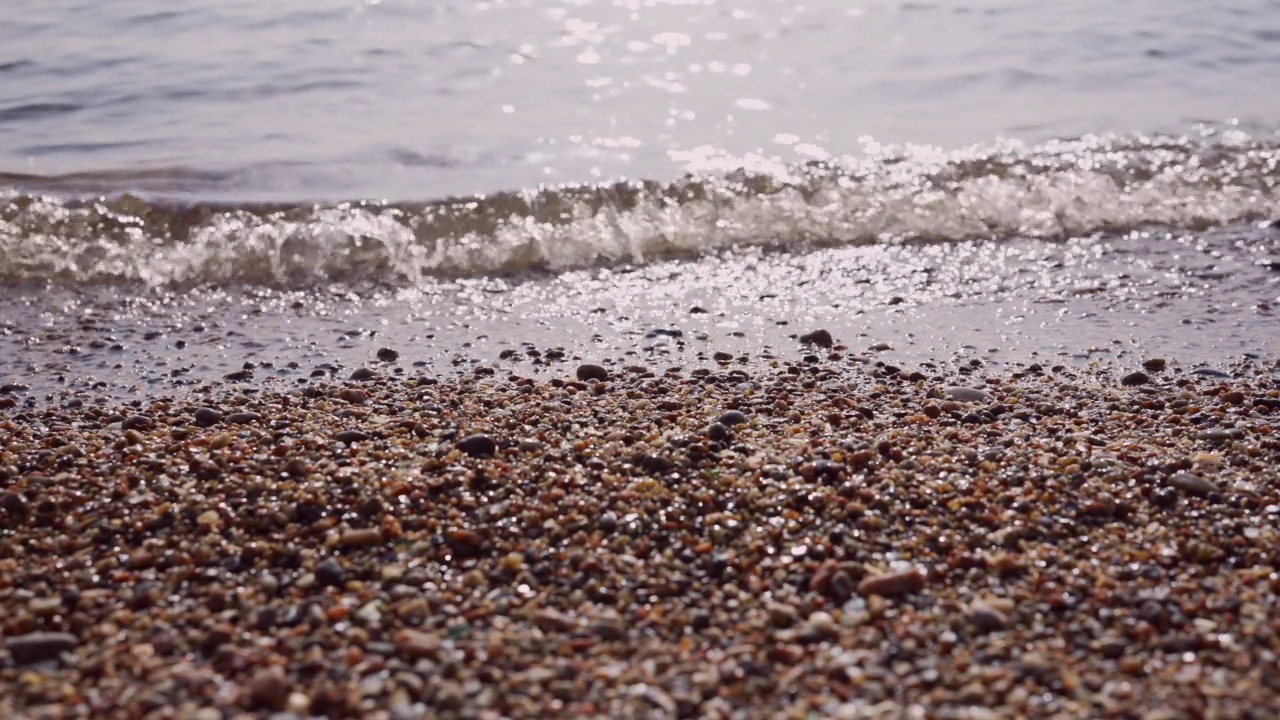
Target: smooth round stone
[329, 573]
[591, 371]
[478, 445]
[207, 416]
[967, 394]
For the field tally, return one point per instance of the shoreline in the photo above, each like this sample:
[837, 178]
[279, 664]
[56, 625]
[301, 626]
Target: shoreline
[819, 536]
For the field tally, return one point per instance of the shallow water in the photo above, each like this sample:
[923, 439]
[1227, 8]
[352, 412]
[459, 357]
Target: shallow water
[1025, 178]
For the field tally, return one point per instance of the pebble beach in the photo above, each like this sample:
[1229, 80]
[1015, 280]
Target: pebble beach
[825, 535]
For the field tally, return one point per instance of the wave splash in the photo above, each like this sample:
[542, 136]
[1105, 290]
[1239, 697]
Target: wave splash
[1057, 190]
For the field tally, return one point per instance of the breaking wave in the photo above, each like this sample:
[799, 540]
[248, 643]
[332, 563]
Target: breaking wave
[50, 232]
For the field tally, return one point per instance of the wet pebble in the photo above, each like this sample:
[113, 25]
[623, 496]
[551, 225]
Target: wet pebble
[821, 338]
[351, 436]
[732, 417]
[329, 573]
[478, 445]
[1193, 484]
[590, 371]
[967, 394]
[207, 416]
[40, 646]
[893, 584]
[1134, 379]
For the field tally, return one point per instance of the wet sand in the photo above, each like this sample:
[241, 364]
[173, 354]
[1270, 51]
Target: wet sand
[821, 534]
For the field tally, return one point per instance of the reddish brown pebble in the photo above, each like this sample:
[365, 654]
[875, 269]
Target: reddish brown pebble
[893, 584]
[417, 645]
[365, 537]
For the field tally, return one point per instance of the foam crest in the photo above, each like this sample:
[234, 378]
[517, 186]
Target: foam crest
[1058, 190]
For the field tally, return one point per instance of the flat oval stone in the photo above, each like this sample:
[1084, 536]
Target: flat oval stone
[1193, 484]
[40, 646]
[967, 394]
[351, 436]
[207, 416]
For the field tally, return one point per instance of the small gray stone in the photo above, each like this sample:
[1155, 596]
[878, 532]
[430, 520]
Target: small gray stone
[966, 394]
[1218, 435]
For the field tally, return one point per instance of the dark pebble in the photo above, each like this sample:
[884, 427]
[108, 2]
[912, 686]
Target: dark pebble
[821, 338]
[351, 436]
[329, 573]
[136, 422]
[478, 445]
[732, 417]
[40, 646]
[589, 371]
[243, 418]
[388, 355]
[1135, 378]
[14, 504]
[207, 416]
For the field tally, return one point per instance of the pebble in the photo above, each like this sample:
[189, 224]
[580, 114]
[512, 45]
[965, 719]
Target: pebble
[355, 396]
[732, 417]
[589, 371]
[1134, 379]
[329, 573]
[1193, 484]
[415, 645]
[268, 689]
[478, 445]
[351, 436]
[967, 394]
[821, 338]
[40, 646]
[207, 416]
[361, 538]
[893, 584]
